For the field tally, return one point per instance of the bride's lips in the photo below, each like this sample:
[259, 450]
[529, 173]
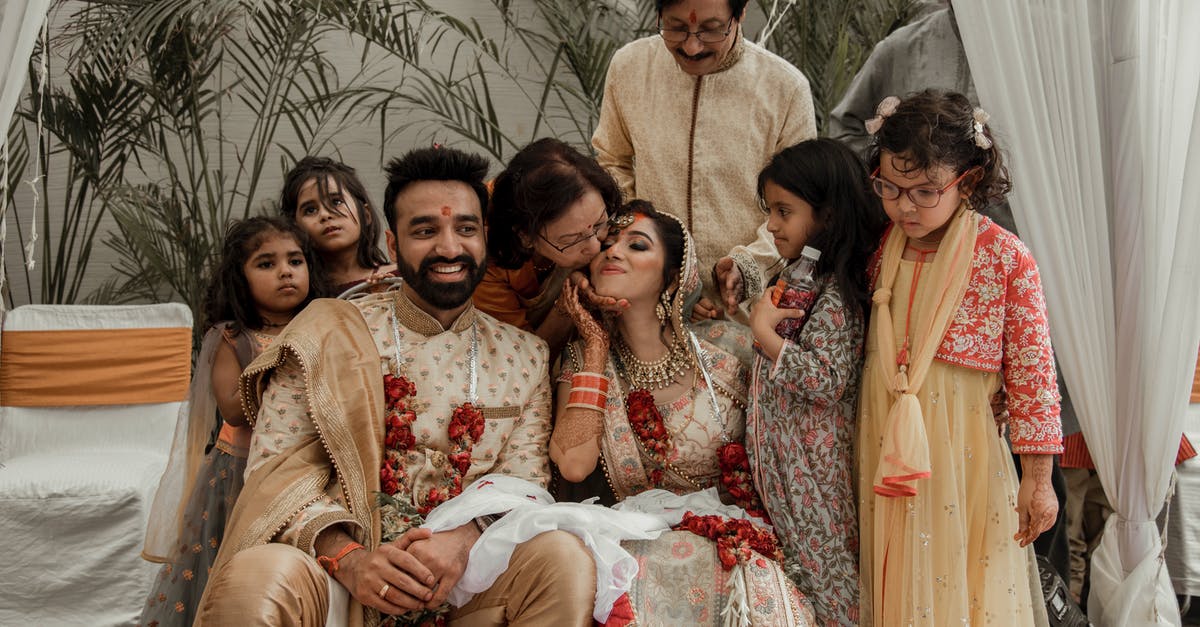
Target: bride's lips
[609, 268]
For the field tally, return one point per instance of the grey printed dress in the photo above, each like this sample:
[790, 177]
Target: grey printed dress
[800, 438]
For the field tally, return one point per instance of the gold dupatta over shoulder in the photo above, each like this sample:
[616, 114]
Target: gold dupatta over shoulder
[344, 388]
[904, 457]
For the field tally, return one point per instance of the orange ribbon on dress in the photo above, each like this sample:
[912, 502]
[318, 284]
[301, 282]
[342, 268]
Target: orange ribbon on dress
[81, 367]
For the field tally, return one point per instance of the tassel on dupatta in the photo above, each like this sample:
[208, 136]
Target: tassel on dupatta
[904, 457]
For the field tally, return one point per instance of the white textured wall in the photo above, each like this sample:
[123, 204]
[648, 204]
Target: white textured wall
[357, 144]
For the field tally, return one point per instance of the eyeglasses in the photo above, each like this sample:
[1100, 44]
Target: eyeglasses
[709, 36]
[599, 231]
[925, 197]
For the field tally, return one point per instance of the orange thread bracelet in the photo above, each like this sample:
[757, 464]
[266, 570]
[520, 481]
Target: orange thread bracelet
[330, 564]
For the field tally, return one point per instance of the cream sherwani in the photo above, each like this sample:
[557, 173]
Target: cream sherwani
[694, 146]
[318, 438]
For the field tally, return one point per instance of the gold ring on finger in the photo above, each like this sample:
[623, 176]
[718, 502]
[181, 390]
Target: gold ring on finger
[384, 590]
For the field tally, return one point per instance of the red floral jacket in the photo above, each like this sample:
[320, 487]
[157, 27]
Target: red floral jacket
[1001, 326]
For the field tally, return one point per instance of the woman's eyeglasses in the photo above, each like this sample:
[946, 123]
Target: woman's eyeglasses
[599, 231]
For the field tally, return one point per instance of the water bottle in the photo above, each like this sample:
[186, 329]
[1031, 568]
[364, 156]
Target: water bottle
[796, 289]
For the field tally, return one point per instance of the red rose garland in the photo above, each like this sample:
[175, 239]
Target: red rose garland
[647, 423]
[465, 429]
[735, 538]
[736, 477]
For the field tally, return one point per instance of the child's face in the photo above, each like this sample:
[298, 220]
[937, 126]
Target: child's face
[922, 223]
[278, 276]
[790, 219]
[331, 227]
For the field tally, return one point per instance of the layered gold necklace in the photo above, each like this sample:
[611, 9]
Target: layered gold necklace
[652, 375]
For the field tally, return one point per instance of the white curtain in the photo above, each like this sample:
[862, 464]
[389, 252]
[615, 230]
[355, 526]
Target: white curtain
[1097, 104]
[20, 23]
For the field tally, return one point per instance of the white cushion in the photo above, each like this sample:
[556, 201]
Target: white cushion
[71, 531]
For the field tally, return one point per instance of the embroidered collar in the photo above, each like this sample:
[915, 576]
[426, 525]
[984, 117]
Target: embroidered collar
[416, 319]
[735, 53]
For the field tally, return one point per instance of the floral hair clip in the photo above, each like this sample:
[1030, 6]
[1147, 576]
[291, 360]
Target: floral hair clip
[981, 118]
[886, 108]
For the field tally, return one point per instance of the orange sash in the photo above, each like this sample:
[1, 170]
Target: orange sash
[80, 367]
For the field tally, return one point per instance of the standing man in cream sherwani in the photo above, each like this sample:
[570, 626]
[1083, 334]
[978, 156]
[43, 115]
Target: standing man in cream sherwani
[690, 116]
[412, 393]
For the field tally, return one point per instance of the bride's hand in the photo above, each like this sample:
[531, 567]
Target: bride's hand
[595, 337]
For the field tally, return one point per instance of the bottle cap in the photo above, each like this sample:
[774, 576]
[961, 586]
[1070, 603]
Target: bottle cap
[811, 253]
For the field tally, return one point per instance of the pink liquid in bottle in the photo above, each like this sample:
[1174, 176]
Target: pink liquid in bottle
[797, 289]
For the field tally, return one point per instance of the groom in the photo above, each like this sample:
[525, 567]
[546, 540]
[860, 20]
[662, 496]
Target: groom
[413, 393]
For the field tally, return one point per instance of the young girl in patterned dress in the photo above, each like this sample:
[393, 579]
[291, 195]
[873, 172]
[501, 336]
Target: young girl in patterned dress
[804, 390]
[958, 320]
[263, 279]
[326, 199]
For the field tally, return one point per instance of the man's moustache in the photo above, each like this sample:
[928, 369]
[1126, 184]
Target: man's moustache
[703, 55]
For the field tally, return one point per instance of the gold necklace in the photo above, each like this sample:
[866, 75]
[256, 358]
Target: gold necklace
[652, 375]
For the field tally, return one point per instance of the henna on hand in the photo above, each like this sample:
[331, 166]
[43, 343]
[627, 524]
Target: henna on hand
[1037, 505]
[595, 337]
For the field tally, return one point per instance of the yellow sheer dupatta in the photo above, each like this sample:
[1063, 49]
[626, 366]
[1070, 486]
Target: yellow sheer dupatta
[904, 457]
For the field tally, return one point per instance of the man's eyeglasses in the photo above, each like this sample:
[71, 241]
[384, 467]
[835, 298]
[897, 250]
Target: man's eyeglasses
[925, 197]
[599, 231]
[708, 36]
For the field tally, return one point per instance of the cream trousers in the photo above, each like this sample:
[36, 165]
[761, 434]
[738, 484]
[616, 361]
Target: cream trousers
[551, 580]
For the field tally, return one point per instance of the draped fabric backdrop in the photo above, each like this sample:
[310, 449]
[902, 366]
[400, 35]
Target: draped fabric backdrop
[1096, 103]
[20, 23]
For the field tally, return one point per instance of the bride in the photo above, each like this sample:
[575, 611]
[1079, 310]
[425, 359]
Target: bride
[658, 409]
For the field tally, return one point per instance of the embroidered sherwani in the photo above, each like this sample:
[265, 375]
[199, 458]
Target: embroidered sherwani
[318, 437]
[694, 145]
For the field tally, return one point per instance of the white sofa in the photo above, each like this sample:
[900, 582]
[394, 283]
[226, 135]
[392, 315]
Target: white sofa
[76, 482]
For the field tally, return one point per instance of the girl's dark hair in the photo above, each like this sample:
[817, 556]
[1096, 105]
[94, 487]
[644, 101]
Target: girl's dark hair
[830, 177]
[228, 296]
[670, 232]
[937, 128]
[321, 169]
[539, 184]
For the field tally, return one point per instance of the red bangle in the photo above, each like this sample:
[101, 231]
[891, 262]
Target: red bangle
[580, 396]
[330, 564]
[590, 381]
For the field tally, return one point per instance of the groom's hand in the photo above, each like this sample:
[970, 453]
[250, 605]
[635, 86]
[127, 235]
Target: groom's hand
[388, 579]
[445, 555]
